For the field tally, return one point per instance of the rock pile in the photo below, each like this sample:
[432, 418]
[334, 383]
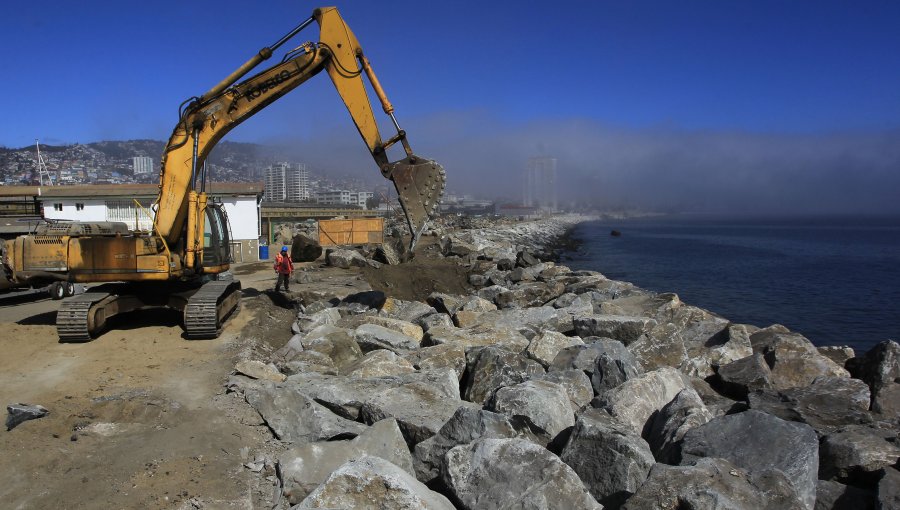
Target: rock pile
[553, 388]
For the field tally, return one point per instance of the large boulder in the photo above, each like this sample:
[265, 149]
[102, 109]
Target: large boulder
[530, 294]
[793, 359]
[439, 356]
[889, 490]
[294, 417]
[342, 395]
[760, 442]
[739, 377]
[880, 369]
[372, 482]
[476, 336]
[305, 249]
[636, 401]
[379, 363]
[304, 467]
[420, 407]
[492, 368]
[610, 459]
[404, 327]
[575, 383]
[714, 484]
[336, 343]
[673, 421]
[539, 407]
[543, 348]
[345, 259]
[831, 495]
[619, 327]
[512, 473]
[826, 405]
[465, 426]
[530, 322]
[857, 454]
[372, 336]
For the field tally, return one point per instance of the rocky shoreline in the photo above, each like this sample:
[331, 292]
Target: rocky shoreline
[553, 388]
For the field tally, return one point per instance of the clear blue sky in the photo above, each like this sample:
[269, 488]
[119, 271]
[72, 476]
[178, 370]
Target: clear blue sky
[727, 106]
[86, 71]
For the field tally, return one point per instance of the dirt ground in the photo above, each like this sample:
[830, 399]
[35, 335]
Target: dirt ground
[139, 417]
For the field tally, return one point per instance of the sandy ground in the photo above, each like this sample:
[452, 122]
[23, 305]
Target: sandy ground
[139, 417]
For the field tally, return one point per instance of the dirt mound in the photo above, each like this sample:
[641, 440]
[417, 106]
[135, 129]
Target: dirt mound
[427, 272]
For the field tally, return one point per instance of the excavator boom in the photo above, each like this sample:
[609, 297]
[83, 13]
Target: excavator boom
[419, 181]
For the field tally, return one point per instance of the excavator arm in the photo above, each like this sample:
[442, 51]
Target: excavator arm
[419, 181]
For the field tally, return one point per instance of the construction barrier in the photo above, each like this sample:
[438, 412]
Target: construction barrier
[357, 231]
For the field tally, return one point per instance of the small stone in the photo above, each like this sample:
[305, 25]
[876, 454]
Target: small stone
[18, 413]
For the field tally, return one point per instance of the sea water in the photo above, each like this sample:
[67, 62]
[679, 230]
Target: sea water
[836, 281]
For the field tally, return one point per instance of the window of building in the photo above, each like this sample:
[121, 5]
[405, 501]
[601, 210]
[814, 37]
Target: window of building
[79, 207]
[57, 207]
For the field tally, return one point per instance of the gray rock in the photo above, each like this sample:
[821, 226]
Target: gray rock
[765, 443]
[576, 384]
[826, 405]
[370, 337]
[446, 303]
[259, 370]
[683, 413]
[435, 320]
[543, 348]
[635, 401]
[379, 363]
[309, 361]
[889, 490]
[610, 459]
[309, 321]
[294, 417]
[465, 426]
[305, 249]
[880, 369]
[512, 473]
[584, 357]
[856, 454]
[19, 413]
[619, 327]
[793, 359]
[336, 343]
[345, 258]
[837, 353]
[439, 356]
[491, 292]
[739, 377]
[612, 369]
[714, 484]
[372, 482]
[538, 407]
[492, 368]
[342, 395]
[832, 495]
[478, 304]
[477, 336]
[529, 294]
[530, 322]
[407, 311]
[402, 327]
[303, 468]
[420, 407]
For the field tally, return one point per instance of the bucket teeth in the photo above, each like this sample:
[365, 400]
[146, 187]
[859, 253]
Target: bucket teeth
[420, 186]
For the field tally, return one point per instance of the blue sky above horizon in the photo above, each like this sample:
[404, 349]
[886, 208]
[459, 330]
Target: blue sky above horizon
[471, 74]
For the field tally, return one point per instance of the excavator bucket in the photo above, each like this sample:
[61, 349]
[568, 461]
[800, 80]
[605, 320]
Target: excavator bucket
[420, 186]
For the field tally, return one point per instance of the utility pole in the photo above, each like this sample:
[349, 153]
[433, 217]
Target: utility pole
[42, 167]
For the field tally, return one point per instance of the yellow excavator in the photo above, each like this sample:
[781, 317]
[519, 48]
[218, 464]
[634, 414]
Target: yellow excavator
[183, 262]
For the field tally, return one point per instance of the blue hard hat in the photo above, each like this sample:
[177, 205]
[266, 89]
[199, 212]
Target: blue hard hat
[284, 248]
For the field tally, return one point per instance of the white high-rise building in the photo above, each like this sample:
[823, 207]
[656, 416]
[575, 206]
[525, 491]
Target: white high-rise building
[286, 182]
[142, 165]
[540, 184]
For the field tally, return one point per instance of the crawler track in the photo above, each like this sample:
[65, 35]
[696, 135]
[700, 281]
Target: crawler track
[74, 322]
[207, 310]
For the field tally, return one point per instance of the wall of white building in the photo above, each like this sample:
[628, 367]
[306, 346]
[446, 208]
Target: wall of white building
[243, 215]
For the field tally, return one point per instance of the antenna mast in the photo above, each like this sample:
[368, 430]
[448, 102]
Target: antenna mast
[42, 166]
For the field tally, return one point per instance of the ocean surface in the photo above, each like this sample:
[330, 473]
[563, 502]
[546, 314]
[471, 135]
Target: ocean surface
[835, 281]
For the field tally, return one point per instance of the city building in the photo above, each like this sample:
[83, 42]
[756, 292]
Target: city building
[344, 197]
[142, 165]
[286, 182]
[540, 184]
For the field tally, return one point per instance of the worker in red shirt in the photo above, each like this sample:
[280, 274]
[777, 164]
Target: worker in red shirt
[284, 266]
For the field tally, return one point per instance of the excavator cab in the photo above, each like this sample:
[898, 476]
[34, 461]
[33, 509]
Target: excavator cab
[216, 237]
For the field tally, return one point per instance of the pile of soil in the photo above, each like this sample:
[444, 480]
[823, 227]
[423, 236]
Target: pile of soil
[425, 273]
